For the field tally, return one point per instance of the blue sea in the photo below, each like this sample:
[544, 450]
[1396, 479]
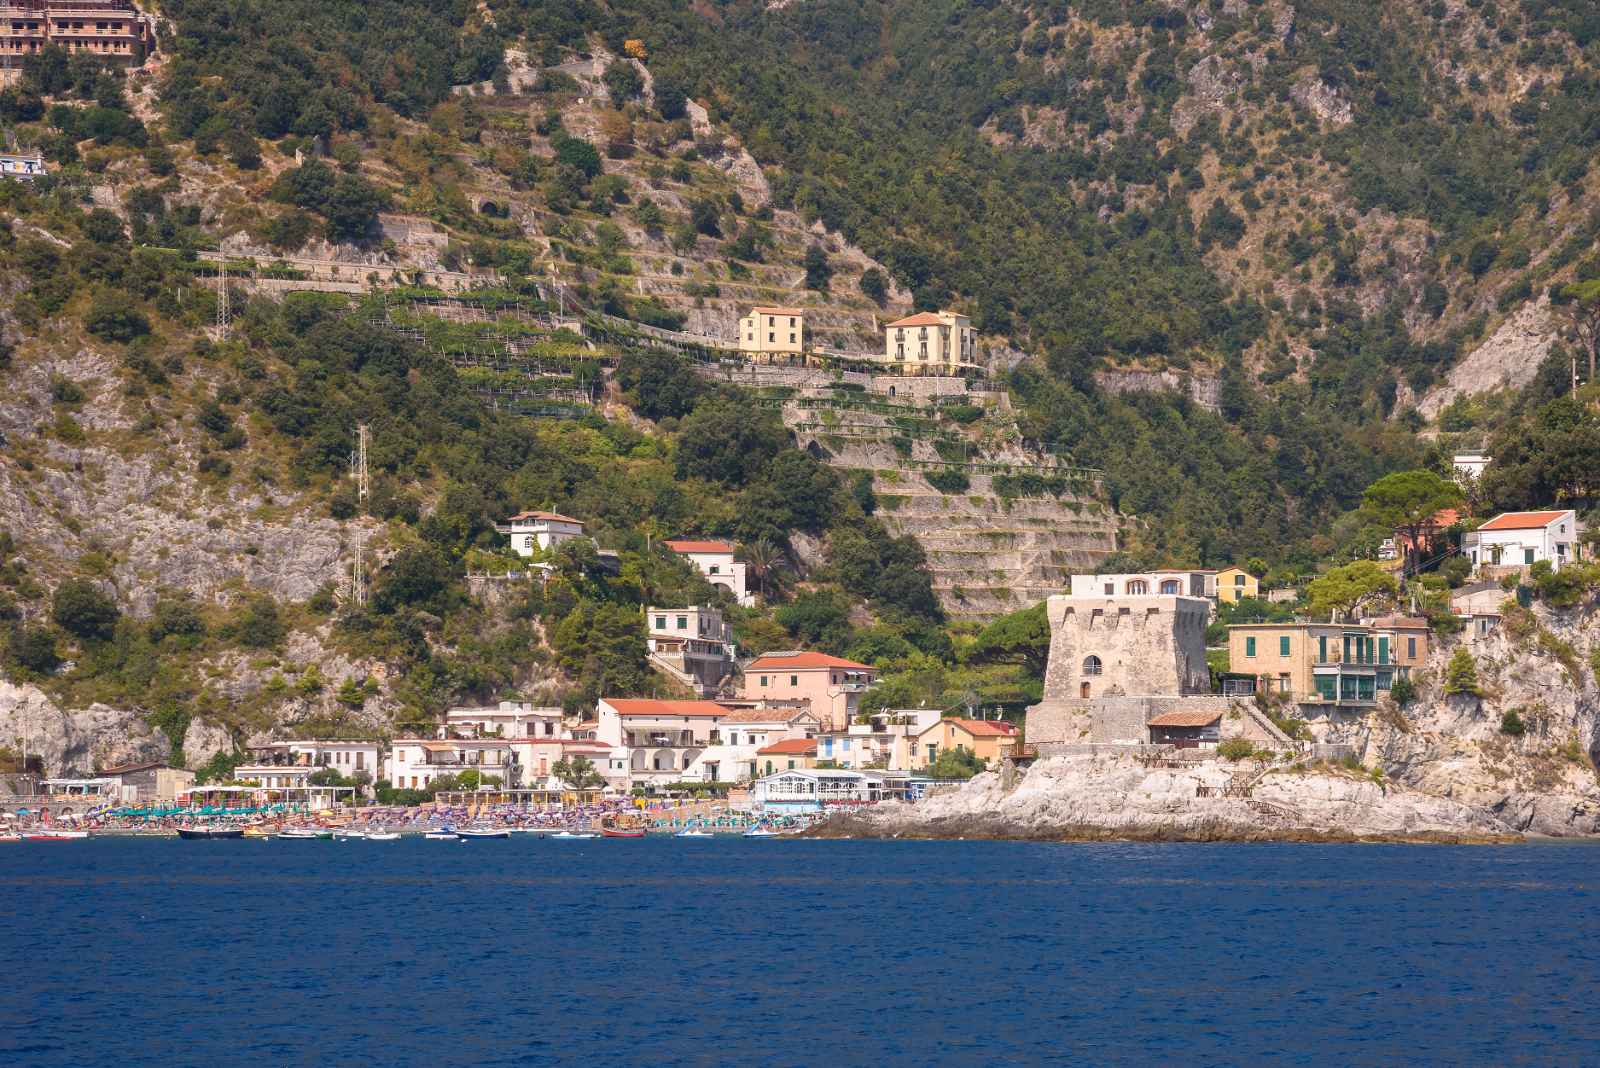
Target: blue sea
[781, 952]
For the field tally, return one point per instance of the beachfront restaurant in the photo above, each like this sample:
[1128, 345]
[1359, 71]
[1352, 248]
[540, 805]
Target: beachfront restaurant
[814, 790]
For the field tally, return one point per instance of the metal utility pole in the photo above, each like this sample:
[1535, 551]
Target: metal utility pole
[358, 570]
[224, 313]
[363, 482]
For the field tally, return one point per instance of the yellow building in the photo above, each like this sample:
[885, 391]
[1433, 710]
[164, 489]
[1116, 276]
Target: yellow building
[986, 739]
[1329, 663]
[786, 755]
[1234, 583]
[931, 343]
[767, 333]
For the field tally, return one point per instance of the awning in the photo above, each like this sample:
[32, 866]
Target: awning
[439, 747]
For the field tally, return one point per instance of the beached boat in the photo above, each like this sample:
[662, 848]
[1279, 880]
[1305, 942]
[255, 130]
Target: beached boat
[575, 834]
[350, 835]
[483, 832]
[306, 833]
[383, 836]
[206, 833]
[622, 832]
[258, 830]
[10, 836]
[53, 835]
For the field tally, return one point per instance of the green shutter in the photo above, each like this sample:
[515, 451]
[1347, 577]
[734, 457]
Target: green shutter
[1249, 647]
[1383, 650]
[1283, 645]
[1322, 649]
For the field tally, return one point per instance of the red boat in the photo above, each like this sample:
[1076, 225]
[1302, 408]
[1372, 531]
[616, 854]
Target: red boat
[622, 832]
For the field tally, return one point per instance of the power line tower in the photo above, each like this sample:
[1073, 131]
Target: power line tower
[224, 312]
[358, 570]
[363, 481]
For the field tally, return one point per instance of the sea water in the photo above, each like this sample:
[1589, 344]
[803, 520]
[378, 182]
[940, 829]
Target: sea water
[782, 952]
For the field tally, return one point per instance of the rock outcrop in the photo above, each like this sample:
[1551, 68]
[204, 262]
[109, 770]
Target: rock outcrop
[75, 741]
[1094, 797]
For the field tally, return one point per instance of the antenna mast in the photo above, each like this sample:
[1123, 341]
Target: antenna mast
[224, 313]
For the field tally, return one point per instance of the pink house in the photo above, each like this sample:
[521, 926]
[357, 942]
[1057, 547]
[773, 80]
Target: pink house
[831, 685]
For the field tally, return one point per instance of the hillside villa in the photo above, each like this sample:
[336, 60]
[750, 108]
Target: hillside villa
[716, 562]
[769, 333]
[831, 686]
[539, 530]
[665, 742]
[887, 740]
[691, 645]
[1513, 541]
[931, 343]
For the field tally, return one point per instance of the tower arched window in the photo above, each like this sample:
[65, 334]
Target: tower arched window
[1091, 665]
[1170, 586]
[1138, 587]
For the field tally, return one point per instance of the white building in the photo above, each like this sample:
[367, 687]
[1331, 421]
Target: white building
[289, 763]
[1170, 582]
[694, 741]
[715, 561]
[539, 530]
[931, 342]
[739, 737]
[1520, 539]
[888, 741]
[814, 790]
[1470, 464]
[21, 165]
[415, 762]
[508, 719]
[769, 332]
[692, 645]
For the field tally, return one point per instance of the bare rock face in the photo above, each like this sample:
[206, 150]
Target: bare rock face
[1508, 359]
[202, 741]
[75, 741]
[1324, 101]
[1115, 796]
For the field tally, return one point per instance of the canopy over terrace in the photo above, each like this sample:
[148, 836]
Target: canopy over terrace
[498, 796]
[305, 797]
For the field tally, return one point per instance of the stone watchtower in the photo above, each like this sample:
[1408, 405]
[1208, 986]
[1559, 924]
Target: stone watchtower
[1126, 646]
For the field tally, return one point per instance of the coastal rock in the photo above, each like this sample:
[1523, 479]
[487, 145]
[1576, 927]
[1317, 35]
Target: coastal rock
[1115, 796]
[75, 741]
[202, 741]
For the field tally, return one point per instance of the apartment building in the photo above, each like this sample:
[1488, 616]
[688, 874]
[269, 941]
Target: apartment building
[111, 29]
[1512, 541]
[692, 645]
[769, 333]
[940, 342]
[1329, 663]
[830, 685]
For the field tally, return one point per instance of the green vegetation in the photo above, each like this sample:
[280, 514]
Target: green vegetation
[1236, 749]
[1461, 674]
[956, 763]
[1511, 723]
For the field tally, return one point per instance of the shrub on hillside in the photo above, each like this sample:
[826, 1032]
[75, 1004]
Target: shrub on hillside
[1236, 749]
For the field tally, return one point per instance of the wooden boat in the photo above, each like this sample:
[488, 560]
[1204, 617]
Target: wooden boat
[257, 831]
[622, 832]
[206, 833]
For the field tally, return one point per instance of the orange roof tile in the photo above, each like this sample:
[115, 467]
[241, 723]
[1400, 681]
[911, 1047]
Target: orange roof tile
[1523, 520]
[984, 728]
[551, 517]
[805, 746]
[805, 660]
[777, 311]
[690, 545]
[1186, 718]
[764, 715]
[919, 319]
[650, 707]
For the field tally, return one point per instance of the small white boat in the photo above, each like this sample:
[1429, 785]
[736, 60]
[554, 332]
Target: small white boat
[383, 836]
[53, 834]
[305, 833]
[483, 832]
[761, 832]
[442, 836]
[579, 834]
[693, 832]
[351, 835]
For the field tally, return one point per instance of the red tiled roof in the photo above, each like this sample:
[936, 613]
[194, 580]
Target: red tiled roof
[1190, 718]
[690, 545]
[807, 746]
[805, 660]
[919, 319]
[764, 715]
[777, 311]
[1522, 520]
[552, 517]
[984, 728]
[649, 707]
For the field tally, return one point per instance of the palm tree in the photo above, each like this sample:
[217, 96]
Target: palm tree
[763, 558]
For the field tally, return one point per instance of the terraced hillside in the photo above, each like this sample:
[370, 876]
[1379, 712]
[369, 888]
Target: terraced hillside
[1003, 526]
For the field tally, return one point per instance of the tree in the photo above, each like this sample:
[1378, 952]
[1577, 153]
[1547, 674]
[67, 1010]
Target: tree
[818, 270]
[1581, 303]
[578, 772]
[113, 316]
[1406, 502]
[352, 209]
[874, 286]
[724, 441]
[1344, 589]
[417, 577]
[579, 155]
[1461, 674]
[35, 649]
[762, 558]
[622, 81]
[1019, 638]
[80, 609]
[955, 763]
[670, 100]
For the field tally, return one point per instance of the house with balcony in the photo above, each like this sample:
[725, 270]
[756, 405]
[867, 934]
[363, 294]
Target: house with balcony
[716, 562]
[831, 685]
[1512, 542]
[661, 739]
[22, 166]
[532, 532]
[693, 646]
[931, 343]
[508, 719]
[739, 737]
[787, 755]
[887, 740]
[1328, 663]
[298, 759]
[416, 762]
[113, 31]
[538, 758]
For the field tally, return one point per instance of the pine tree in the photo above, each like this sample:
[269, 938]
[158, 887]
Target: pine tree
[1461, 674]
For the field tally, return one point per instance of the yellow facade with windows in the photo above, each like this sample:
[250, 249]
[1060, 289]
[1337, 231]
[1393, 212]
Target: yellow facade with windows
[1235, 583]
